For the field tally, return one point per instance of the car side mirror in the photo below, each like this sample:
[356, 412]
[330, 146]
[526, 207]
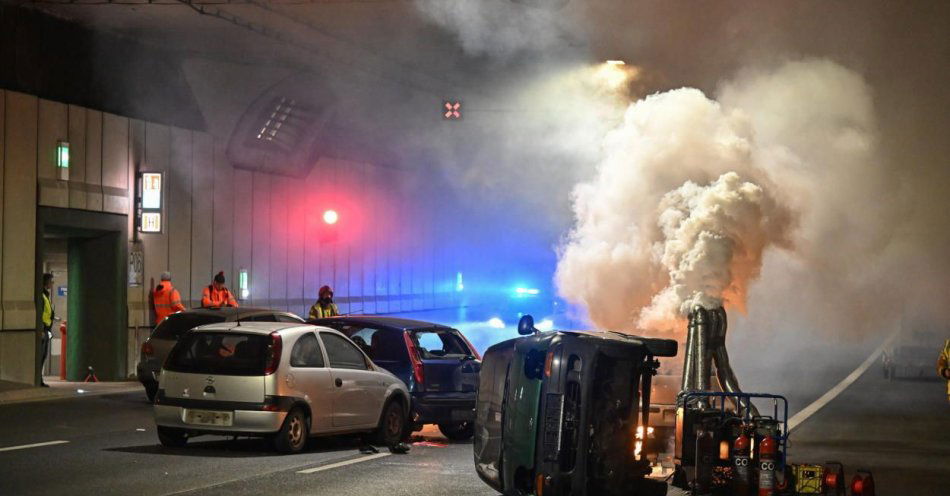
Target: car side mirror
[526, 326]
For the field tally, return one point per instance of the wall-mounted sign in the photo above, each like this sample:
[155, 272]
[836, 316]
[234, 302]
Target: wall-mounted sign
[150, 201]
[62, 290]
[136, 265]
[62, 160]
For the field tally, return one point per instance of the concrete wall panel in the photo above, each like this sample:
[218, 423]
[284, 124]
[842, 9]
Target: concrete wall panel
[243, 227]
[297, 231]
[222, 241]
[201, 213]
[115, 164]
[53, 127]
[279, 228]
[18, 356]
[157, 145]
[2, 162]
[260, 239]
[94, 160]
[77, 156]
[19, 214]
[178, 211]
[139, 312]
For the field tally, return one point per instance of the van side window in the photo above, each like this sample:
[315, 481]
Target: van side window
[342, 353]
[306, 352]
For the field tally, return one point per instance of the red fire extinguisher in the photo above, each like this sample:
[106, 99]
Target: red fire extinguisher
[767, 451]
[740, 459]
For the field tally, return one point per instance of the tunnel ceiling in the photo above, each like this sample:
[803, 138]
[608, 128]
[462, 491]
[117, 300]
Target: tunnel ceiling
[340, 75]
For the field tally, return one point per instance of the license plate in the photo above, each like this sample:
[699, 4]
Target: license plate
[208, 417]
[463, 415]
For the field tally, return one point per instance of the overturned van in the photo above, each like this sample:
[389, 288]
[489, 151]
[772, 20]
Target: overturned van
[558, 413]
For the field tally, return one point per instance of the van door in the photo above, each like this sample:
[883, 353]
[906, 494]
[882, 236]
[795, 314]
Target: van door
[357, 401]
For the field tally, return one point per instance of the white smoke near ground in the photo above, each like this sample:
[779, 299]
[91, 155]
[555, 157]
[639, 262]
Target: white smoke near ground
[693, 193]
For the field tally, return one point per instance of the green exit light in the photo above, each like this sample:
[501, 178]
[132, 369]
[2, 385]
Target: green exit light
[62, 154]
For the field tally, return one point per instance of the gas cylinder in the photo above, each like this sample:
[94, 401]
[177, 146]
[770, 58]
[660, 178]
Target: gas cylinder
[767, 450]
[742, 481]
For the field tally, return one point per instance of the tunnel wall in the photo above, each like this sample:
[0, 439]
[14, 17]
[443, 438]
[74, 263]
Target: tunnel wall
[388, 252]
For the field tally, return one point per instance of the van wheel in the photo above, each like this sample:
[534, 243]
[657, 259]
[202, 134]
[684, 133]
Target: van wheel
[392, 424]
[462, 431]
[151, 389]
[171, 437]
[292, 436]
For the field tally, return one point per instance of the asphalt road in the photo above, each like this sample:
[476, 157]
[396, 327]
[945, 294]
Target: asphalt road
[900, 430]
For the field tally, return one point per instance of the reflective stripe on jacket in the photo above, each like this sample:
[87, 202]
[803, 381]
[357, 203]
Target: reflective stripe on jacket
[211, 297]
[167, 301]
[317, 311]
[943, 363]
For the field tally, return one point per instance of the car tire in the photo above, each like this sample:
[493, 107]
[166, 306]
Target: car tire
[392, 424]
[292, 436]
[171, 437]
[151, 389]
[460, 431]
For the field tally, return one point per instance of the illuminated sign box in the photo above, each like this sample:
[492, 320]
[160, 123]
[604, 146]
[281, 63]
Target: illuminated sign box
[150, 202]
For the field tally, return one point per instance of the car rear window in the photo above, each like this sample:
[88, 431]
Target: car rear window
[440, 343]
[219, 353]
[177, 324]
[385, 345]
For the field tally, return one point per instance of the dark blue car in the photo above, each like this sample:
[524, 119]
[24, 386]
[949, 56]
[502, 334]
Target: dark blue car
[439, 366]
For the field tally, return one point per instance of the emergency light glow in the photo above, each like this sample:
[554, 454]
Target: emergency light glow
[458, 282]
[527, 291]
[330, 217]
[496, 323]
[545, 325]
[616, 62]
[62, 154]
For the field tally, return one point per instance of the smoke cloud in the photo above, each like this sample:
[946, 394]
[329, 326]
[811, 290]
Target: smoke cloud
[694, 192]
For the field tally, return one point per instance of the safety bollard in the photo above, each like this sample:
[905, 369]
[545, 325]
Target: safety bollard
[62, 351]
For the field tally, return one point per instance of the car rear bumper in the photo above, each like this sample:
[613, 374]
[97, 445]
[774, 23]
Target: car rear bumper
[147, 371]
[245, 421]
[248, 418]
[431, 409]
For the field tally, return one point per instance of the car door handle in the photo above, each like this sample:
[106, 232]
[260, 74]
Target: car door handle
[339, 382]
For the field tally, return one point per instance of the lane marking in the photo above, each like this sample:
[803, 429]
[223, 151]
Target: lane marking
[342, 464]
[35, 445]
[833, 393]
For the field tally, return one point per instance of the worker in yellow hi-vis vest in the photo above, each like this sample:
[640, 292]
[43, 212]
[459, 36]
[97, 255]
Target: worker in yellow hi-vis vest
[48, 315]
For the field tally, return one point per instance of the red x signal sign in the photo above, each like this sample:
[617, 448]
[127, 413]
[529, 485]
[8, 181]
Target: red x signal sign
[452, 110]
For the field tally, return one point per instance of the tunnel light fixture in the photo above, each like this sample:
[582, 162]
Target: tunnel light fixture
[616, 62]
[62, 160]
[243, 291]
[459, 285]
[331, 217]
[451, 110]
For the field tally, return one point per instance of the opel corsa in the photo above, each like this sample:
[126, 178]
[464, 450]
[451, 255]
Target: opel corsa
[278, 380]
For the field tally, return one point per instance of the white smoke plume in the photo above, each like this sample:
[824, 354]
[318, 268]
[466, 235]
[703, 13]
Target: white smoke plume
[693, 193]
[500, 29]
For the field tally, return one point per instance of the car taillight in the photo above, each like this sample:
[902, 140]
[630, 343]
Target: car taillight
[147, 349]
[548, 361]
[417, 367]
[273, 354]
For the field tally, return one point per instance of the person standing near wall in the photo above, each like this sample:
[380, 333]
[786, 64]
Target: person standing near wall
[48, 315]
[324, 307]
[217, 294]
[166, 299]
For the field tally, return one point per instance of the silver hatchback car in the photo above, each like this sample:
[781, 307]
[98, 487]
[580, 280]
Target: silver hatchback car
[280, 380]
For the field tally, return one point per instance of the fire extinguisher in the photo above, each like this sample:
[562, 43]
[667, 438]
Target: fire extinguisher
[767, 451]
[740, 459]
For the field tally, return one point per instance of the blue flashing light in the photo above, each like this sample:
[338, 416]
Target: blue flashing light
[527, 291]
[459, 286]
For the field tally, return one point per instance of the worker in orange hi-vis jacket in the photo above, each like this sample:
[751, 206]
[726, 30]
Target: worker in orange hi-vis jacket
[166, 299]
[217, 294]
